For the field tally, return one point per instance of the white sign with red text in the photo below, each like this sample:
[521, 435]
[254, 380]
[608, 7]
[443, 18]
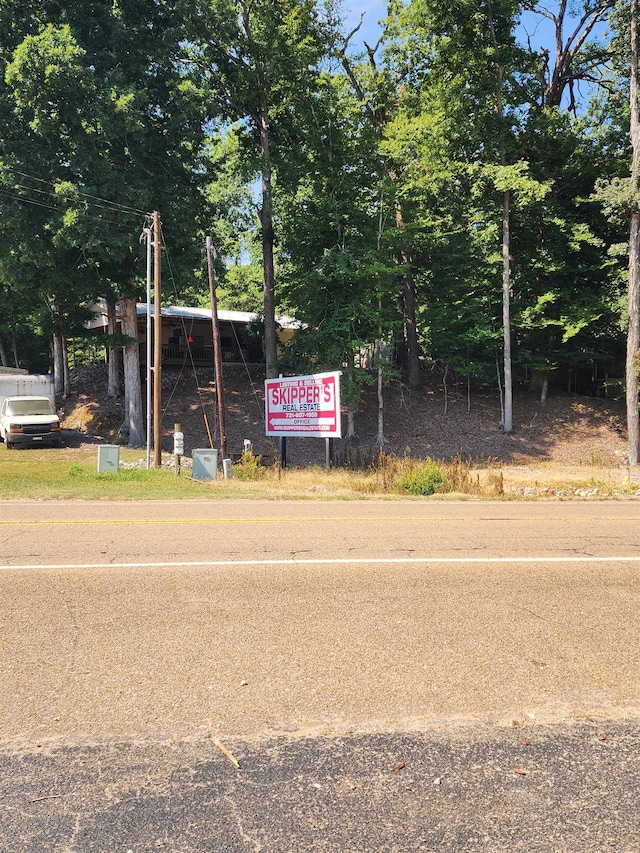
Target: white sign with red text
[303, 406]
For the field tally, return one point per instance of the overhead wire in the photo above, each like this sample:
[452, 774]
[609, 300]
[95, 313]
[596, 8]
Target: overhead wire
[189, 350]
[22, 199]
[6, 194]
[64, 197]
[115, 205]
[246, 367]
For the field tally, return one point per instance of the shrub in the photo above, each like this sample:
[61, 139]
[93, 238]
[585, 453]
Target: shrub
[249, 467]
[423, 480]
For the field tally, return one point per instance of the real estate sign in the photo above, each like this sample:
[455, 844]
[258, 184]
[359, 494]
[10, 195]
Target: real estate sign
[303, 406]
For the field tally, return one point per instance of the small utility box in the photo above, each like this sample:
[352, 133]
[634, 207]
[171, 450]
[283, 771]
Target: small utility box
[108, 459]
[205, 464]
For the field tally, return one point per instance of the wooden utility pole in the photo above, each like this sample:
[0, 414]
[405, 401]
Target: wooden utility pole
[157, 346]
[507, 422]
[633, 334]
[217, 354]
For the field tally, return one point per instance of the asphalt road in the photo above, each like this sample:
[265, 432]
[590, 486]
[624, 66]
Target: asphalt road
[390, 675]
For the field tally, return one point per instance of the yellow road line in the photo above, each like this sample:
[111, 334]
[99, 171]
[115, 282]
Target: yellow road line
[314, 518]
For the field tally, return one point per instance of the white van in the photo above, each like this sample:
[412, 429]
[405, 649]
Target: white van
[28, 420]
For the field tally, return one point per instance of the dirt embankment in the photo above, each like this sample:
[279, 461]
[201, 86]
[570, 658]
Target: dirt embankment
[565, 431]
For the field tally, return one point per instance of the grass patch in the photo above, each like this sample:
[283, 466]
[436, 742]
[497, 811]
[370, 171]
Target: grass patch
[71, 473]
[51, 473]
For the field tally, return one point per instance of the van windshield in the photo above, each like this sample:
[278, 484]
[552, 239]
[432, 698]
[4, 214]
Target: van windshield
[30, 407]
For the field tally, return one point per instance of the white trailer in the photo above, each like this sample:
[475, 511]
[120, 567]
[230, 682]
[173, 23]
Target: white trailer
[18, 383]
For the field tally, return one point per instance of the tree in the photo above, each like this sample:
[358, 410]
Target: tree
[466, 57]
[104, 127]
[377, 89]
[259, 60]
[229, 198]
[474, 137]
[336, 275]
[577, 57]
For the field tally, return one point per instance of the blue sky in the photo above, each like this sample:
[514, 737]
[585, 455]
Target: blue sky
[373, 11]
[539, 31]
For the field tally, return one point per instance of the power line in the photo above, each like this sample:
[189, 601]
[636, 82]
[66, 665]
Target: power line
[6, 194]
[110, 208]
[113, 204]
[39, 203]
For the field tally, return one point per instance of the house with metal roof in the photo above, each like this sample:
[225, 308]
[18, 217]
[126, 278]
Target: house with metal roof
[187, 334]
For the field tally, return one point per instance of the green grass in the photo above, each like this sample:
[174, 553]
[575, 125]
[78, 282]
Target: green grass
[71, 473]
[50, 473]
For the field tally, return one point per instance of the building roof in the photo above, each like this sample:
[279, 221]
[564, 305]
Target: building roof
[183, 312]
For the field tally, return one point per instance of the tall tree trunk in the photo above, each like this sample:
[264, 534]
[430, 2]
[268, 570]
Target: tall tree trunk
[633, 335]
[544, 391]
[14, 347]
[58, 346]
[409, 307]
[268, 270]
[4, 355]
[133, 420]
[351, 436]
[507, 419]
[114, 355]
[381, 441]
[66, 376]
[380, 437]
[262, 122]
[58, 364]
[633, 340]
[507, 423]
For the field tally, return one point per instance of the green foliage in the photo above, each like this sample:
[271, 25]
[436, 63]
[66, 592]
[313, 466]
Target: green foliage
[249, 467]
[424, 480]
[112, 110]
[98, 128]
[241, 288]
[407, 475]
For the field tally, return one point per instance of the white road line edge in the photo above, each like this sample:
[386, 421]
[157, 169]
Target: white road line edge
[321, 562]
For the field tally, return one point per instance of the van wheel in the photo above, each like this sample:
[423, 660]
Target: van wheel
[9, 444]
